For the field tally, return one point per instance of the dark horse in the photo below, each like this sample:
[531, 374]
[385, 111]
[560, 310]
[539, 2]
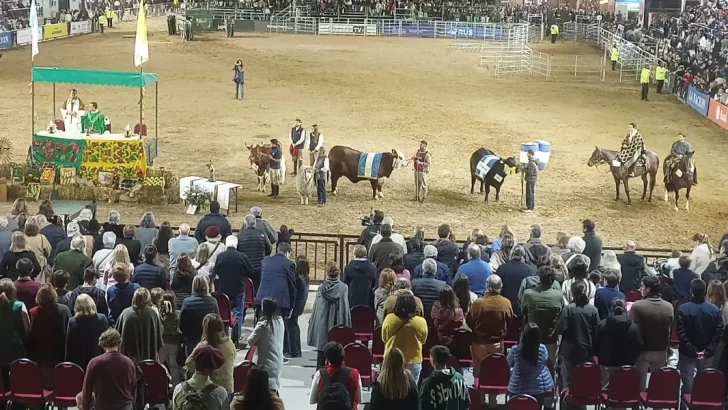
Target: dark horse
[684, 175]
[620, 174]
[495, 176]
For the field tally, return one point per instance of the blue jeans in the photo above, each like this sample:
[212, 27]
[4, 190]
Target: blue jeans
[239, 312]
[688, 366]
[530, 192]
[321, 190]
[240, 90]
[415, 369]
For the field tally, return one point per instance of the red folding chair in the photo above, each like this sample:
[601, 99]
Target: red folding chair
[663, 391]
[362, 321]
[624, 388]
[585, 388]
[4, 393]
[249, 293]
[140, 129]
[708, 391]
[378, 346]
[460, 347]
[633, 296]
[512, 335]
[240, 376]
[67, 383]
[357, 356]
[475, 399]
[156, 383]
[494, 375]
[226, 311]
[60, 125]
[523, 402]
[251, 354]
[26, 384]
[342, 334]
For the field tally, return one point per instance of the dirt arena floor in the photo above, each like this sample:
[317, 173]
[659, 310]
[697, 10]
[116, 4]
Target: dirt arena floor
[375, 94]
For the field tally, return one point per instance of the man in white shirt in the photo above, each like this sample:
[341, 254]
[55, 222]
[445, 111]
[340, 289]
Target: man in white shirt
[396, 238]
[322, 173]
[71, 111]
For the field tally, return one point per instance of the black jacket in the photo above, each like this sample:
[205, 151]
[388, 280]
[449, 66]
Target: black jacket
[593, 249]
[232, 267]
[361, 276]
[380, 251]
[535, 249]
[412, 259]
[427, 288]
[633, 270]
[63, 246]
[134, 248]
[182, 288]
[577, 326]
[512, 273]
[150, 276]
[379, 402]
[117, 229]
[8, 265]
[301, 295]
[618, 341]
[98, 295]
[699, 328]
[447, 253]
[194, 309]
[369, 232]
[213, 220]
[55, 234]
[716, 270]
[254, 244]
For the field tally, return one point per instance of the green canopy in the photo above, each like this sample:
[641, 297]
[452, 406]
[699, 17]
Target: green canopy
[93, 77]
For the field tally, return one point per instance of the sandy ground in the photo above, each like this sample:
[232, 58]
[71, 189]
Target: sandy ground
[375, 94]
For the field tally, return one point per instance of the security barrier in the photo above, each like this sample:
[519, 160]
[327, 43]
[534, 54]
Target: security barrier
[16, 38]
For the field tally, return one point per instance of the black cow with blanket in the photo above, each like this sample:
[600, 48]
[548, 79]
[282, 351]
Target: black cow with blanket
[491, 170]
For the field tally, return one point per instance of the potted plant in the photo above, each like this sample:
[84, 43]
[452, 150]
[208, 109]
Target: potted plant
[197, 199]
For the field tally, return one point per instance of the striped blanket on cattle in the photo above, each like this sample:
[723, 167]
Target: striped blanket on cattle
[369, 163]
[491, 169]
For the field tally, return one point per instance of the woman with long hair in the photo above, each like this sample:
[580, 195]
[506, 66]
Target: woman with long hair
[292, 338]
[84, 329]
[14, 327]
[396, 263]
[257, 396]
[387, 286]
[171, 336]
[120, 255]
[19, 249]
[407, 332]
[48, 324]
[17, 211]
[162, 243]
[579, 272]
[465, 297]
[498, 242]
[447, 315]
[702, 253]
[395, 388]
[559, 267]
[182, 280]
[529, 369]
[147, 231]
[268, 337]
[202, 261]
[140, 328]
[37, 242]
[503, 254]
[214, 334]
[717, 296]
[562, 243]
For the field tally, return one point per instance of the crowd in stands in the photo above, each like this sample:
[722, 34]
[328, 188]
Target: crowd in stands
[109, 297]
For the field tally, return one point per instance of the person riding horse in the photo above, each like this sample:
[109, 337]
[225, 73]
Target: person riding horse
[680, 149]
[633, 147]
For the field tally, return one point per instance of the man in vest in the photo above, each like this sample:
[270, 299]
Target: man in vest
[554, 33]
[298, 144]
[322, 174]
[422, 160]
[660, 74]
[645, 81]
[109, 17]
[315, 143]
[614, 57]
[275, 167]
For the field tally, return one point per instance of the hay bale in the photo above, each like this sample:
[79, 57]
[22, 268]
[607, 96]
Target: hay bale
[150, 195]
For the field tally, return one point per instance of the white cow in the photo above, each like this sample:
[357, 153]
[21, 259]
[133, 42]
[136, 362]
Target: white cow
[305, 184]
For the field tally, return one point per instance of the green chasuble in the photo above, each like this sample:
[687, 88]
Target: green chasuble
[94, 121]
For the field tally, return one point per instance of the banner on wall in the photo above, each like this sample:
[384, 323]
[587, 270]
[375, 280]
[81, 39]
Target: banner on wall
[80, 27]
[55, 30]
[23, 37]
[348, 29]
[698, 100]
[718, 113]
[6, 39]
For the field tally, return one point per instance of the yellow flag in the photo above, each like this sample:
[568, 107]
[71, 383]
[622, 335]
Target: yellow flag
[141, 45]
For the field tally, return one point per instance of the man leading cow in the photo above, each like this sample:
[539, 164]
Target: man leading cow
[633, 147]
[422, 161]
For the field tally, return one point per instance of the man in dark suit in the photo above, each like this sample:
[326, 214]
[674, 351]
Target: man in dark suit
[232, 269]
[278, 281]
[380, 251]
[594, 244]
[254, 244]
[633, 268]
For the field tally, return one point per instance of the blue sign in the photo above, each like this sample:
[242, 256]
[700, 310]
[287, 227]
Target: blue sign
[698, 100]
[407, 29]
[452, 30]
[6, 39]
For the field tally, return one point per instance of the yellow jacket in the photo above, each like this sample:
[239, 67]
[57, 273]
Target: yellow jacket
[615, 54]
[109, 14]
[554, 29]
[407, 336]
[660, 73]
[645, 76]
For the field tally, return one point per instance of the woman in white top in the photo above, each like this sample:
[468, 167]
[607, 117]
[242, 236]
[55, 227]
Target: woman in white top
[609, 261]
[702, 254]
[268, 338]
[119, 255]
[579, 270]
[104, 256]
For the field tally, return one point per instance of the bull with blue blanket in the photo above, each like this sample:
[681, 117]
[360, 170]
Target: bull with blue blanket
[491, 170]
[375, 167]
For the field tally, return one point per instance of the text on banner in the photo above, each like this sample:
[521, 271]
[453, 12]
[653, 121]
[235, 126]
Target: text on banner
[718, 113]
[6, 39]
[55, 30]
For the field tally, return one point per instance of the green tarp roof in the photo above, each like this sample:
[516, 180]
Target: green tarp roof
[92, 77]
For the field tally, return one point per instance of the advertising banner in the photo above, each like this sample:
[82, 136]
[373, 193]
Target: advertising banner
[718, 113]
[6, 39]
[23, 36]
[55, 30]
[80, 27]
[348, 29]
[477, 30]
[408, 29]
[442, 29]
[698, 100]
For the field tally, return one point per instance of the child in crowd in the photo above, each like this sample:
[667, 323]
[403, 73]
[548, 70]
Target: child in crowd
[170, 335]
[157, 295]
[285, 234]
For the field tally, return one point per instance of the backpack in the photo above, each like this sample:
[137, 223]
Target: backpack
[334, 394]
[191, 399]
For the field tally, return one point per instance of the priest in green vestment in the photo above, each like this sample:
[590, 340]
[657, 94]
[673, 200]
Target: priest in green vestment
[94, 121]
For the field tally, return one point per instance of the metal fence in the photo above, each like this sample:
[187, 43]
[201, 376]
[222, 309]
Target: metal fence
[17, 38]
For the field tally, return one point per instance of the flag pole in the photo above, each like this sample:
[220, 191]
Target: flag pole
[141, 96]
[32, 96]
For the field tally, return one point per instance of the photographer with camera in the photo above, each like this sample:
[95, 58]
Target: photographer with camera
[372, 224]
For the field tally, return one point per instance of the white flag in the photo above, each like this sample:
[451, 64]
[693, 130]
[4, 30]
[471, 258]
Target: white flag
[33, 29]
[141, 45]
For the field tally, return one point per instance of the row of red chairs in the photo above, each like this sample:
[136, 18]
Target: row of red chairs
[27, 388]
[226, 307]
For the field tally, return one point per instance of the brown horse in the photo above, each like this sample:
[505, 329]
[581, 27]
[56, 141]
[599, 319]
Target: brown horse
[601, 156]
[684, 175]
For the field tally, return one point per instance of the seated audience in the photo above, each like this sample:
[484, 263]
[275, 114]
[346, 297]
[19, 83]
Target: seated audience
[110, 381]
[443, 379]
[84, 330]
[395, 388]
[256, 395]
[528, 361]
[336, 372]
[447, 315]
[330, 308]
[141, 328]
[407, 332]
[207, 359]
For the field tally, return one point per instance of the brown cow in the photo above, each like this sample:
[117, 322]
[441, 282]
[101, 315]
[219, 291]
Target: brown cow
[260, 163]
[344, 162]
